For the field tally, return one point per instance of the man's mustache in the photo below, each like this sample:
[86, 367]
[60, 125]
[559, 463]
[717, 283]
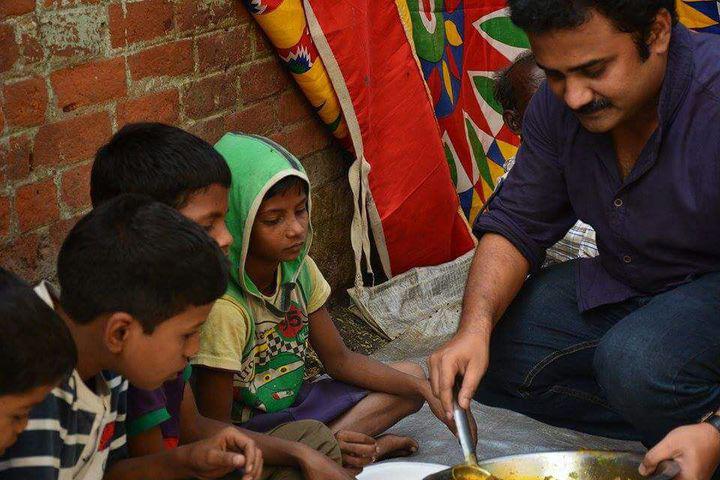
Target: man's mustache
[593, 107]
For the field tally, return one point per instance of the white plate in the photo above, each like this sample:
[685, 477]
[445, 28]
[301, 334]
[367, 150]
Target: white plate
[399, 471]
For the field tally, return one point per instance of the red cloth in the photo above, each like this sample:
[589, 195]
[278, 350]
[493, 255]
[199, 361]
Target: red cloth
[409, 179]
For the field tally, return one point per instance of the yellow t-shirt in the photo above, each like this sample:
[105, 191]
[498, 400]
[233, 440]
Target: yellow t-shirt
[268, 376]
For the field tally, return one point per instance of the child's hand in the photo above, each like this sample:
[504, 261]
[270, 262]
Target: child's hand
[316, 466]
[437, 409]
[224, 452]
[358, 450]
[696, 448]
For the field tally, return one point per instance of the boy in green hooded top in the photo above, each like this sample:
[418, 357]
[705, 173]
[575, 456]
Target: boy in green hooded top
[251, 362]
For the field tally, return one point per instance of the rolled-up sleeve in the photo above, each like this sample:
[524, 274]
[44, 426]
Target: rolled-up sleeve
[532, 208]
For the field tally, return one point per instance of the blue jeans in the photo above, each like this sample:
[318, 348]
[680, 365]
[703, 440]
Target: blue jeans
[631, 370]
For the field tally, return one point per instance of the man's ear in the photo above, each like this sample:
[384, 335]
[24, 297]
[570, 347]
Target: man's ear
[513, 121]
[660, 32]
[118, 328]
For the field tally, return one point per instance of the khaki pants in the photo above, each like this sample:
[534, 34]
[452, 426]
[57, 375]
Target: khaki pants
[309, 432]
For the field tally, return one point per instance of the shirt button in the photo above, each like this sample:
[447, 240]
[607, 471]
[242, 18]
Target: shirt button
[627, 259]
[618, 202]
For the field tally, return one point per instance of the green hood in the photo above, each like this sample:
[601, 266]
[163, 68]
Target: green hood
[256, 164]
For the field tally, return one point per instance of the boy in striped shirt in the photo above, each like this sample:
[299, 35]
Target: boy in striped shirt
[137, 281]
[37, 354]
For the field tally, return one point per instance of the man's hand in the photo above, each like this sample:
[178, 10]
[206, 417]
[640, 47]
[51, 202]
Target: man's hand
[316, 466]
[358, 450]
[696, 448]
[225, 452]
[466, 355]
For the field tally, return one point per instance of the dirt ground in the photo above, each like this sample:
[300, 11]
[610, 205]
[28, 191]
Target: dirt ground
[356, 334]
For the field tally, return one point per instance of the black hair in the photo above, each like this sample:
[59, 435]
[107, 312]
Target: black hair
[629, 16]
[164, 162]
[135, 255]
[37, 348]
[503, 88]
[291, 182]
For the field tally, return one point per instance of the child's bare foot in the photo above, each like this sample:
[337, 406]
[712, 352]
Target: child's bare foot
[391, 446]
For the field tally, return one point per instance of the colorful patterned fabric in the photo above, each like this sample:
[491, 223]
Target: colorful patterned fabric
[394, 133]
[700, 15]
[284, 23]
[459, 45]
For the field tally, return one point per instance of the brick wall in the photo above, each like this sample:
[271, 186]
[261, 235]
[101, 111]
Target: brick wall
[74, 71]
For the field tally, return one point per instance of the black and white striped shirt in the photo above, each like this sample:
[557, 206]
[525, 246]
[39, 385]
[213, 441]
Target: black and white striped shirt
[73, 434]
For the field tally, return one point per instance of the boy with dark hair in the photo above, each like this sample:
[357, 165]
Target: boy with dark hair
[138, 280]
[37, 354]
[188, 174]
[251, 362]
[172, 166]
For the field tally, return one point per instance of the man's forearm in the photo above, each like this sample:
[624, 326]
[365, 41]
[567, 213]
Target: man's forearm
[497, 273]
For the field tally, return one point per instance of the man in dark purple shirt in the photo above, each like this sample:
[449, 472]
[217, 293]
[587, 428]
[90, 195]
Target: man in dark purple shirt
[625, 136]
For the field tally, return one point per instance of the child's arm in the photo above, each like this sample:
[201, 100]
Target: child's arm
[275, 451]
[225, 452]
[343, 364]
[215, 393]
[146, 443]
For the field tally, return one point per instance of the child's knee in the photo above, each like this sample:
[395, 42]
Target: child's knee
[318, 436]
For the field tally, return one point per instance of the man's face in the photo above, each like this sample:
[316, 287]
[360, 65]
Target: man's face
[14, 411]
[149, 360]
[207, 208]
[598, 72]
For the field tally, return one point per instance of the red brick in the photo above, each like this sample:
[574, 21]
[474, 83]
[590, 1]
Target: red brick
[71, 33]
[68, 3]
[172, 59]
[156, 107]
[32, 50]
[26, 102]
[209, 130]
[10, 8]
[8, 47]
[36, 204]
[23, 257]
[2, 121]
[75, 186]
[144, 20]
[262, 79]
[15, 154]
[194, 14]
[209, 95]
[304, 138]
[223, 50]
[70, 141]
[293, 107]
[5, 212]
[90, 83]
[259, 118]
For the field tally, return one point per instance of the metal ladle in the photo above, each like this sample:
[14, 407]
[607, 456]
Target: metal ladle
[469, 470]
